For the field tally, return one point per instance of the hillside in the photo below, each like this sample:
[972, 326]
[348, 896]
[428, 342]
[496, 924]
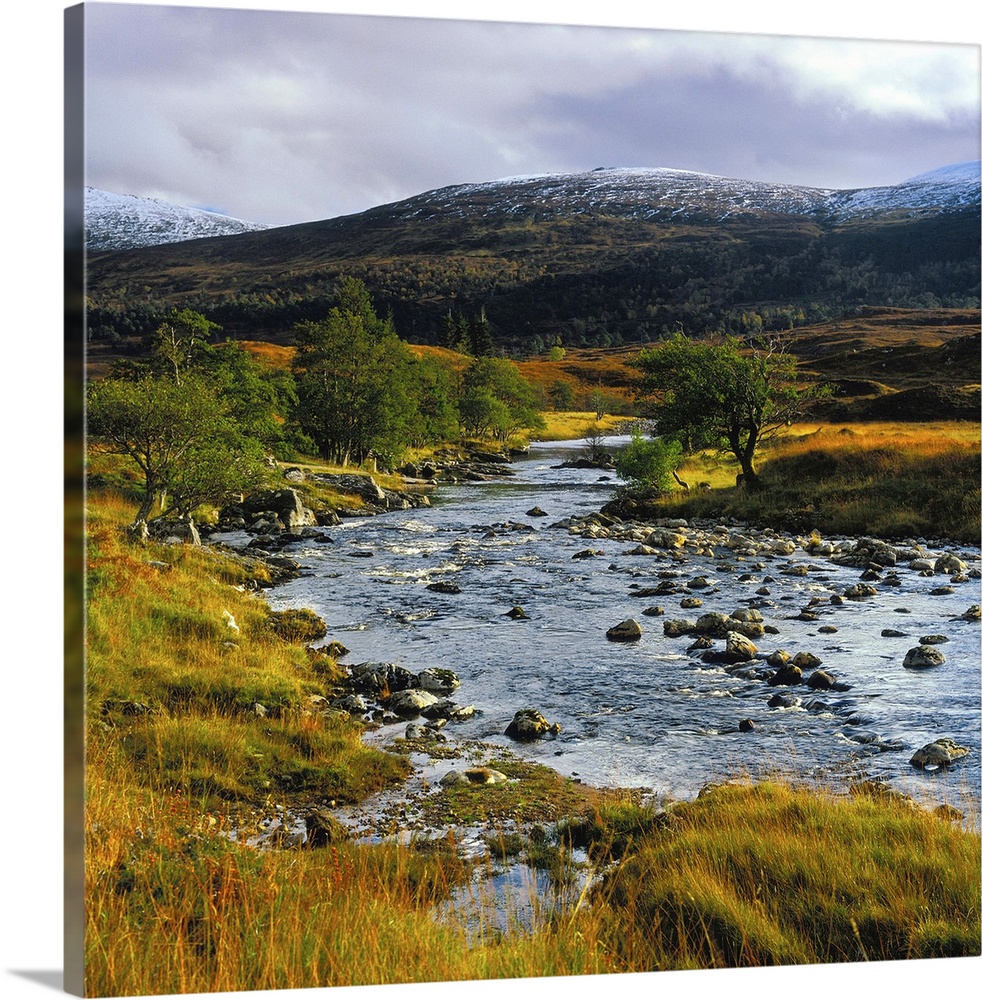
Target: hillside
[596, 259]
[888, 364]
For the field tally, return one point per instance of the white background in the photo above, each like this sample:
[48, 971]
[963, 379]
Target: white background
[31, 658]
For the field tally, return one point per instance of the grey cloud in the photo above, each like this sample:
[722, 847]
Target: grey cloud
[281, 117]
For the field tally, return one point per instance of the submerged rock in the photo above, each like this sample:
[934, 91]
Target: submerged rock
[783, 701]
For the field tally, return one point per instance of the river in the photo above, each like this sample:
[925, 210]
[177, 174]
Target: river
[650, 713]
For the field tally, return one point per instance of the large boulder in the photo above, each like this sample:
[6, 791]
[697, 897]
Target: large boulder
[411, 702]
[372, 678]
[739, 649]
[284, 504]
[438, 680]
[358, 483]
[445, 710]
[950, 564]
[940, 753]
[923, 658]
[806, 661]
[173, 530]
[529, 724]
[714, 623]
[786, 676]
[821, 680]
[674, 627]
[625, 631]
[324, 829]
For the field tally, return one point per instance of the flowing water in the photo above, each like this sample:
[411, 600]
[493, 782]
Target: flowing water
[649, 713]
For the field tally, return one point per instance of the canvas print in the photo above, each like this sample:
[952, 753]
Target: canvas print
[531, 500]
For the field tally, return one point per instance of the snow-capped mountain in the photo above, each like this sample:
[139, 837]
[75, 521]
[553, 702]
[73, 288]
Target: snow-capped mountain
[599, 255]
[124, 221]
[664, 194]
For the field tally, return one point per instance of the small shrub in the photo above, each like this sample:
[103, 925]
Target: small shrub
[297, 625]
[649, 462]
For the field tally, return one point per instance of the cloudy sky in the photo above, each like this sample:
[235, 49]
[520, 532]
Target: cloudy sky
[281, 117]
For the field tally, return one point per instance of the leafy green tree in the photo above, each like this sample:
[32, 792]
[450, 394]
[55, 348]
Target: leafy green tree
[435, 389]
[561, 395]
[715, 394]
[496, 401]
[182, 437]
[355, 381]
[179, 340]
[258, 396]
[648, 462]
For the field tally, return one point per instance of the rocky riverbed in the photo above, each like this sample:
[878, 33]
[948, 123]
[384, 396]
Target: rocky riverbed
[662, 654]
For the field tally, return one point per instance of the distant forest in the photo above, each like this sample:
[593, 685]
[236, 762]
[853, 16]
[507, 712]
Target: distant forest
[558, 285]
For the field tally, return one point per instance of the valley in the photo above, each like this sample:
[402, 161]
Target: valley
[341, 474]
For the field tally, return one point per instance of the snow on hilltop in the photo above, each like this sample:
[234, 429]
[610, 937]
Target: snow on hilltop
[124, 221]
[666, 194]
[956, 173]
[661, 194]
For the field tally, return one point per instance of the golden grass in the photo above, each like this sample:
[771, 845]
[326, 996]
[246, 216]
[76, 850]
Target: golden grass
[885, 479]
[270, 355]
[771, 874]
[589, 370]
[563, 425]
[925, 438]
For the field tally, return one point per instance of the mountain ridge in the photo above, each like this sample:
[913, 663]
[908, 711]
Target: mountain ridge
[606, 256]
[114, 222]
[652, 191]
